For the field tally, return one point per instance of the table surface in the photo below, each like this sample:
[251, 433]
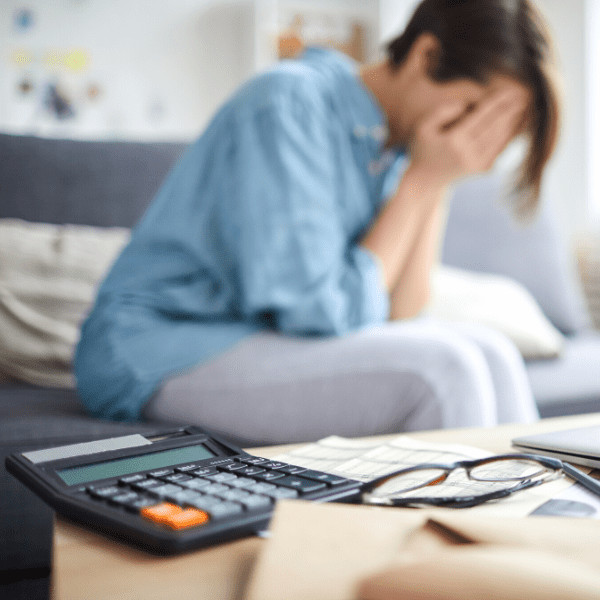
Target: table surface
[88, 565]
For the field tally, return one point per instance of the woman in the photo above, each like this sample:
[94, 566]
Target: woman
[268, 292]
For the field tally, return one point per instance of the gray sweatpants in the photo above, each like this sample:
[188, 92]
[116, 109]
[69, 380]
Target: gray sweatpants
[401, 376]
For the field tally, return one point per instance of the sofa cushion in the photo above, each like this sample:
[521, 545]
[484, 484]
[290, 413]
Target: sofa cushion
[569, 384]
[80, 182]
[495, 301]
[483, 236]
[48, 280]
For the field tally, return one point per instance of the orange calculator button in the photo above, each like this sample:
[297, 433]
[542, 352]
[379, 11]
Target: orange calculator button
[190, 517]
[161, 513]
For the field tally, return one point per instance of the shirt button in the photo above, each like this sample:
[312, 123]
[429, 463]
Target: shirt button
[379, 133]
[360, 131]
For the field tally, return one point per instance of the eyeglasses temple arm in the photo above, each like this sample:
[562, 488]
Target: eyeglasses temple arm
[593, 485]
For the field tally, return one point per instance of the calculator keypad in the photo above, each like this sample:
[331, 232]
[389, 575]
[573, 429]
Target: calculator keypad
[192, 495]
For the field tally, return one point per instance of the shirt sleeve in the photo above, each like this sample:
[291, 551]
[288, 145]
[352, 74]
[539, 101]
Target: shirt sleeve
[290, 234]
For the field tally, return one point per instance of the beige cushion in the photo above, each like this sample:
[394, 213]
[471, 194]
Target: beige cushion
[498, 302]
[48, 280]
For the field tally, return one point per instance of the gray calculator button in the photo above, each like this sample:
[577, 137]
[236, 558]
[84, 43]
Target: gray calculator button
[125, 498]
[225, 509]
[177, 478]
[184, 468]
[183, 497]
[165, 490]
[137, 505]
[221, 477]
[161, 473]
[146, 484]
[205, 502]
[195, 483]
[215, 488]
[256, 501]
[261, 488]
[242, 482]
[106, 492]
[131, 479]
[281, 493]
[235, 495]
[204, 471]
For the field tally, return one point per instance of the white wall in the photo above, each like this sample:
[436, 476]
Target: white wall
[161, 67]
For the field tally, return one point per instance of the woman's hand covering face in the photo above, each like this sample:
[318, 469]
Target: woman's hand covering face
[458, 139]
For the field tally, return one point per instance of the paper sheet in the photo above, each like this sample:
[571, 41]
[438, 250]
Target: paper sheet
[364, 461]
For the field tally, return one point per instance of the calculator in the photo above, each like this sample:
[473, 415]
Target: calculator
[171, 491]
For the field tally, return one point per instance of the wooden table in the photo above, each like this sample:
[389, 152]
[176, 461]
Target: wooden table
[88, 565]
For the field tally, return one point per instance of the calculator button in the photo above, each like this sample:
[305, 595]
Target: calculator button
[281, 493]
[125, 498]
[195, 483]
[106, 492]
[235, 495]
[204, 471]
[161, 473]
[242, 482]
[183, 497]
[190, 517]
[252, 470]
[261, 488]
[234, 466]
[159, 513]
[255, 501]
[325, 477]
[205, 502]
[270, 475]
[273, 465]
[302, 485]
[292, 469]
[146, 484]
[253, 460]
[177, 478]
[164, 490]
[185, 468]
[215, 488]
[225, 509]
[221, 477]
[137, 505]
[131, 479]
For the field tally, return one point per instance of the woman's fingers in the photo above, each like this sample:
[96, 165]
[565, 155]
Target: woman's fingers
[491, 109]
[501, 131]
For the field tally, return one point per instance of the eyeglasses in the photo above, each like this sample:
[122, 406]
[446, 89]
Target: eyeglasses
[487, 479]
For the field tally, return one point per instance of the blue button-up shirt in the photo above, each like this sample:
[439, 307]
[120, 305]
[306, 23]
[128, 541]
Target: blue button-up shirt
[256, 227]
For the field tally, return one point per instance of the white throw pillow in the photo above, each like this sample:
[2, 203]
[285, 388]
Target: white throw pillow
[498, 302]
[48, 280]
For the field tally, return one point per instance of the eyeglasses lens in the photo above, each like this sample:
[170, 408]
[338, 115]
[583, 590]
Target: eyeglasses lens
[508, 470]
[409, 481]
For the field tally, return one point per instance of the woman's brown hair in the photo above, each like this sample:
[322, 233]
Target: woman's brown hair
[479, 38]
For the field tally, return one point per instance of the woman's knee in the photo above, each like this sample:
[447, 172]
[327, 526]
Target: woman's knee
[454, 367]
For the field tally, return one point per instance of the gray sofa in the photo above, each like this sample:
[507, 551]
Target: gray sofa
[110, 183]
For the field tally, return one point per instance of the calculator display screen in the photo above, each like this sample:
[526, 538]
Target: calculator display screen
[133, 464]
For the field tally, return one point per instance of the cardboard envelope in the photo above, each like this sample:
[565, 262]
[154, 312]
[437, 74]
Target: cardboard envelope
[348, 552]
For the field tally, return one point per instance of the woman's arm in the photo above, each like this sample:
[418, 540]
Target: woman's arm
[413, 290]
[451, 144]
[404, 238]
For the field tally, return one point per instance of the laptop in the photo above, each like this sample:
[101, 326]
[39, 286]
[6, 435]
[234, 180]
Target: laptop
[580, 446]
